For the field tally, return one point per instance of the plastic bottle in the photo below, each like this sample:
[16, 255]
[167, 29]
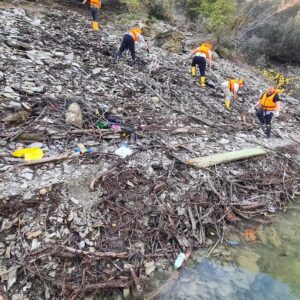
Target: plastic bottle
[179, 261]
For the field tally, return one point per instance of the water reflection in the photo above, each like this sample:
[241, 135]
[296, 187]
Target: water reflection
[210, 280]
[265, 265]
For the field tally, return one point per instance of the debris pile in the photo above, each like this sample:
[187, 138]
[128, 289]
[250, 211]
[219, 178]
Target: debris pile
[83, 221]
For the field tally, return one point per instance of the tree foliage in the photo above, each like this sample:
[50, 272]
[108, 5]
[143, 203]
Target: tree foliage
[218, 14]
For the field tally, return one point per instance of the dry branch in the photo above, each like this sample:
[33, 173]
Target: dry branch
[123, 255]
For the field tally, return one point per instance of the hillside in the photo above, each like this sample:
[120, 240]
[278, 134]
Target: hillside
[83, 224]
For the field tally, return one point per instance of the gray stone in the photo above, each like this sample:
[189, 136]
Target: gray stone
[36, 145]
[96, 71]
[170, 40]
[27, 176]
[15, 104]
[74, 115]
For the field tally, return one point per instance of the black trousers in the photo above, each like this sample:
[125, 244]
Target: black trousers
[265, 119]
[201, 62]
[95, 14]
[127, 44]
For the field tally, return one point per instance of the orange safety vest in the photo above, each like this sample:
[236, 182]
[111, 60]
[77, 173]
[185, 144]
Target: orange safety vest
[96, 3]
[204, 48]
[135, 32]
[231, 84]
[267, 103]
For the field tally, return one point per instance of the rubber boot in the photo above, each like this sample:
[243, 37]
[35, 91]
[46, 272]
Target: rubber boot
[263, 128]
[268, 131]
[227, 103]
[95, 26]
[202, 81]
[193, 71]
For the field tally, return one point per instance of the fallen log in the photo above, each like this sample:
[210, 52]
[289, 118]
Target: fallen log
[215, 159]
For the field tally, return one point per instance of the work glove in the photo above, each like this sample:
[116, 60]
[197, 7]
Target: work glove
[276, 114]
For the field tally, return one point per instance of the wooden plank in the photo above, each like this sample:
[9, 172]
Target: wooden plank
[215, 159]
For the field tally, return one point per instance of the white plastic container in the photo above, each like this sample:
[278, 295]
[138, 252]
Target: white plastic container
[123, 151]
[179, 261]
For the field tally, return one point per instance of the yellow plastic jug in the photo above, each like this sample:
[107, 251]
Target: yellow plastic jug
[29, 153]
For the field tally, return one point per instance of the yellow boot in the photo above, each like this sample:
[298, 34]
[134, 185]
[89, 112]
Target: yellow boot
[227, 103]
[193, 71]
[202, 81]
[95, 26]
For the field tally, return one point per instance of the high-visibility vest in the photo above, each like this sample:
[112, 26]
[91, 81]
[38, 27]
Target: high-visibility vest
[96, 3]
[267, 102]
[204, 48]
[135, 33]
[231, 84]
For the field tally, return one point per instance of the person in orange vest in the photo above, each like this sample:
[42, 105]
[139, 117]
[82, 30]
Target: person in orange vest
[95, 6]
[134, 35]
[230, 89]
[266, 108]
[202, 54]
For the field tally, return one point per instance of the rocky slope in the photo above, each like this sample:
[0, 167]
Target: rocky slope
[148, 206]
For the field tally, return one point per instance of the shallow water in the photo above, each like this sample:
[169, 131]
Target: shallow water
[265, 265]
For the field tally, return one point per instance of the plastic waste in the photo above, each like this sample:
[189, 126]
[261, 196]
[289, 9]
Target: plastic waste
[33, 153]
[102, 124]
[233, 243]
[123, 151]
[81, 149]
[179, 261]
[116, 128]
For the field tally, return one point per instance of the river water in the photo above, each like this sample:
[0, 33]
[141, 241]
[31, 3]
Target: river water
[265, 265]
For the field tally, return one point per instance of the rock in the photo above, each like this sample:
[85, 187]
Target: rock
[74, 200]
[155, 100]
[223, 141]
[8, 92]
[38, 89]
[69, 56]
[16, 117]
[96, 71]
[149, 267]
[12, 277]
[170, 40]
[74, 115]
[126, 293]
[38, 56]
[43, 191]
[26, 174]
[15, 104]
[82, 244]
[36, 145]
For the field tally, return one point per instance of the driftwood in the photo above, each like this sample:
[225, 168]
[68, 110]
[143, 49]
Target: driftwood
[123, 255]
[136, 281]
[215, 159]
[251, 206]
[46, 160]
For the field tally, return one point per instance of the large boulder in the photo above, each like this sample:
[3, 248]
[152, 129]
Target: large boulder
[170, 40]
[74, 115]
